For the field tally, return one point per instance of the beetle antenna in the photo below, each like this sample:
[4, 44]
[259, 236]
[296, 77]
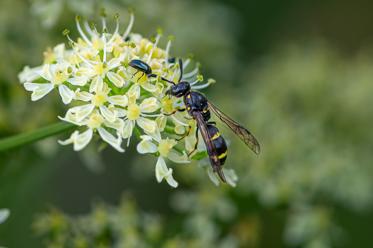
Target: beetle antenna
[181, 69]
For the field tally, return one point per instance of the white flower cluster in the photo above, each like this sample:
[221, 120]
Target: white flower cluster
[111, 98]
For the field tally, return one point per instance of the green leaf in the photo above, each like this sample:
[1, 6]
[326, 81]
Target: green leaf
[200, 155]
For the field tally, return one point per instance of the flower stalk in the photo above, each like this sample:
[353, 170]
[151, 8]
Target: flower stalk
[33, 136]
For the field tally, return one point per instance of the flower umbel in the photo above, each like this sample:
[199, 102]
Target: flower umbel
[108, 97]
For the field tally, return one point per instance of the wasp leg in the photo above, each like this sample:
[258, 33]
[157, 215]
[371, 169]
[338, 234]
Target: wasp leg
[196, 145]
[177, 110]
[212, 123]
[185, 134]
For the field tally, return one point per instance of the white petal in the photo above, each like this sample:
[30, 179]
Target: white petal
[179, 129]
[4, 214]
[177, 158]
[127, 129]
[83, 139]
[171, 181]
[107, 114]
[119, 100]
[97, 85]
[66, 94]
[69, 140]
[161, 122]
[59, 51]
[150, 104]
[116, 79]
[149, 126]
[38, 90]
[79, 140]
[231, 177]
[81, 112]
[212, 176]
[109, 138]
[149, 87]
[121, 112]
[161, 172]
[83, 96]
[78, 81]
[29, 74]
[46, 72]
[156, 135]
[118, 125]
[113, 63]
[134, 92]
[161, 169]
[190, 142]
[146, 146]
[31, 86]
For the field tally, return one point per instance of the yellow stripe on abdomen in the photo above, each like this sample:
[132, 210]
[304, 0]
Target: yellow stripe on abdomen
[223, 155]
[217, 135]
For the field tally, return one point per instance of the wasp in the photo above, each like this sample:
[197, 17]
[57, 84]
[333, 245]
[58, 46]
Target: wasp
[199, 108]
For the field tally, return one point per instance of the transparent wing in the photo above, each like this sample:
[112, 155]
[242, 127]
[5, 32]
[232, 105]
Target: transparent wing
[244, 134]
[213, 155]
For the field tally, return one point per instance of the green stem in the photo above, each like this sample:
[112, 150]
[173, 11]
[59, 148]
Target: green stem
[32, 136]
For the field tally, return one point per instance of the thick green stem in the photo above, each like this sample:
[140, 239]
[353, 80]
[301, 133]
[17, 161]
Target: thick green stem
[32, 136]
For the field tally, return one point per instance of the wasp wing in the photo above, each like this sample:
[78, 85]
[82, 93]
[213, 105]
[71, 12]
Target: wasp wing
[244, 134]
[213, 155]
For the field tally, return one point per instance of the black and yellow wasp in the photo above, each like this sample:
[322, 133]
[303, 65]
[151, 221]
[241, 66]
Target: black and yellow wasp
[199, 109]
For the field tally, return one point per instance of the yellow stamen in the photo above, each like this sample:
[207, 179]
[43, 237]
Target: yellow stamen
[99, 99]
[95, 121]
[165, 146]
[134, 112]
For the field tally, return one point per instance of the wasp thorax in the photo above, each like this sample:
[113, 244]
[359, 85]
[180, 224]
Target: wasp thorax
[180, 89]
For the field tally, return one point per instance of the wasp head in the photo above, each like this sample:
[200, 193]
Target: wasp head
[180, 89]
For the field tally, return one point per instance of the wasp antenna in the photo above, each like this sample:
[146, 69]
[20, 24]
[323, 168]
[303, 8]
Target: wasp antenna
[181, 69]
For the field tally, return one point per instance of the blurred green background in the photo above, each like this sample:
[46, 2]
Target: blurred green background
[299, 74]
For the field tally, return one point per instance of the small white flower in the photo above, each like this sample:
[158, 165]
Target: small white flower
[99, 99]
[55, 75]
[139, 114]
[93, 121]
[165, 149]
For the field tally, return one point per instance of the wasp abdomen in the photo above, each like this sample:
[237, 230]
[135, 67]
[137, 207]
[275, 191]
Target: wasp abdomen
[218, 142]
